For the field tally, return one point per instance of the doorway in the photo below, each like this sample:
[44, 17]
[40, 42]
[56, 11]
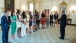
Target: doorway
[31, 7]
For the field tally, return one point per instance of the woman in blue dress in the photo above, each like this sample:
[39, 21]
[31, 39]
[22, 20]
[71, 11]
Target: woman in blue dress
[34, 22]
[30, 22]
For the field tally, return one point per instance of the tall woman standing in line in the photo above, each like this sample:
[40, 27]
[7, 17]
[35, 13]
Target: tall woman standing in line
[23, 30]
[47, 19]
[19, 23]
[27, 22]
[30, 22]
[13, 24]
[34, 22]
[42, 20]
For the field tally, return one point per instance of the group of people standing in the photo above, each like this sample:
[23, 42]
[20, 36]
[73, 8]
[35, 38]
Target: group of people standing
[47, 18]
[27, 22]
[54, 19]
[24, 23]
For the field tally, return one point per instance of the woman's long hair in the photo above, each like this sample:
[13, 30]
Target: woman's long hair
[18, 11]
[12, 13]
[23, 14]
[29, 12]
[43, 14]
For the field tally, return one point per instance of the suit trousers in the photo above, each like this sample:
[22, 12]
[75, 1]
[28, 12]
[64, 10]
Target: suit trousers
[62, 31]
[5, 35]
[51, 22]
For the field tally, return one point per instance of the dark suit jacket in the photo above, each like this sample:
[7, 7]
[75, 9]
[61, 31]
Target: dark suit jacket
[37, 16]
[9, 20]
[55, 16]
[63, 20]
[51, 17]
[5, 22]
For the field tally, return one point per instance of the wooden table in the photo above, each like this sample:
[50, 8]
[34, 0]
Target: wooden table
[69, 20]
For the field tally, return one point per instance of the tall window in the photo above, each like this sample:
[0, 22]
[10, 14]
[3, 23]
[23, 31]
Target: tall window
[31, 7]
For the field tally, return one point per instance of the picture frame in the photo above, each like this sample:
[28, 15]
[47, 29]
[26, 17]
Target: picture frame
[63, 6]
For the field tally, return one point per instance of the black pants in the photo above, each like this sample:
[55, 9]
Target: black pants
[38, 23]
[62, 32]
[51, 22]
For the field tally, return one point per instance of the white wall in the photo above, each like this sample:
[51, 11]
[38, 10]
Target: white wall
[24, 2]
[19, 3]
[1, 5]
[37, 6]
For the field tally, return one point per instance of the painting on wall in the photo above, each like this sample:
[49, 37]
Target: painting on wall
[9, 3]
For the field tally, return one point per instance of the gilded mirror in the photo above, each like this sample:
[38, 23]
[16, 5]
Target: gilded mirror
[63, 6]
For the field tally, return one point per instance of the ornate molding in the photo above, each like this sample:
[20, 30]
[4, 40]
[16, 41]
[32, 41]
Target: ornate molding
[33, 1]
[63, 3]
[63, 6]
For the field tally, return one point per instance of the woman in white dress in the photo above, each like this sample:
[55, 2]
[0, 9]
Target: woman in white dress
[27, 23]
[23, 30]
[19, 24]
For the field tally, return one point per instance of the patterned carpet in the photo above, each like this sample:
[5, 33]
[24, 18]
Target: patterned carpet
[48, 35]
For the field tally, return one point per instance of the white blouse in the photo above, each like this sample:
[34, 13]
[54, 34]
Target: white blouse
[28, 17]
[19, 24]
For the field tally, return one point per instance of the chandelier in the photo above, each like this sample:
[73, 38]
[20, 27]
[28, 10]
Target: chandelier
[33, 1]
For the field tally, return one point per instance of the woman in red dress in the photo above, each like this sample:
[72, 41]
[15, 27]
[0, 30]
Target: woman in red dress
[43, 20]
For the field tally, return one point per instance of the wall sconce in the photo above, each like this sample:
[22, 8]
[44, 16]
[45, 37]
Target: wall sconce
[23, 8]
[17, 9]
[54, 9]
[2, 9]
[72, 9]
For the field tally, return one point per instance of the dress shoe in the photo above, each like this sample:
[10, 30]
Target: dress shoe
[12, 39]
[30, 32]
[8, 42]
[39, 28]
[34, 31]
[61, 38]
[42, 28]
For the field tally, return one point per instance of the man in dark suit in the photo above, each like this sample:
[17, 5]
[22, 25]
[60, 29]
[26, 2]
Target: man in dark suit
[51, 19]
[5, 21]
[62, 24]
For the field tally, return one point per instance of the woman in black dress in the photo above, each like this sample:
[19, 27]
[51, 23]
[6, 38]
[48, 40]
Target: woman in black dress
[30, 22]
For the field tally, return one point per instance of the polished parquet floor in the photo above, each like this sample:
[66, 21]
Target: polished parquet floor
[47, 35]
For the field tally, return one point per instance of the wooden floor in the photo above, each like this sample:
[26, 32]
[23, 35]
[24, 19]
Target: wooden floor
[74, 40]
